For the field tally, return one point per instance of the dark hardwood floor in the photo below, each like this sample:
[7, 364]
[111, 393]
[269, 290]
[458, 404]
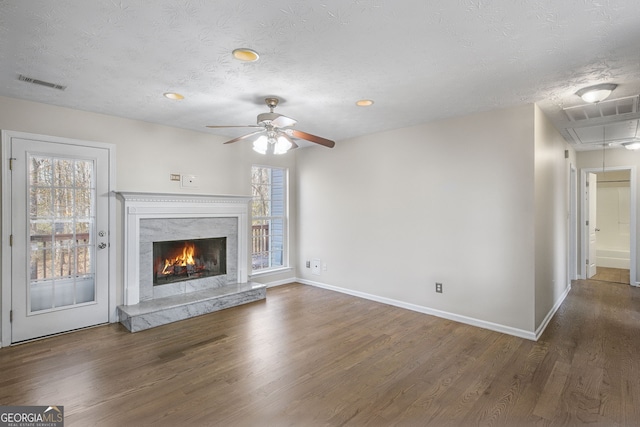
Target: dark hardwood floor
[308, 356]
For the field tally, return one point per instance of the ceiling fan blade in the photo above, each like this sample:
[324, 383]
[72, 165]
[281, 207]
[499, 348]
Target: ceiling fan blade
[313, 138]
[283, 122]
[245, 126]
[240, 138]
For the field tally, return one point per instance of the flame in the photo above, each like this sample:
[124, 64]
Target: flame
[182, 260]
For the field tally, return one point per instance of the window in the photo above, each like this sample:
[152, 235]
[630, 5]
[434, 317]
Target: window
[269, 218]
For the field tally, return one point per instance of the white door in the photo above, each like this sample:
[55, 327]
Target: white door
[592, 191]
[59, 224]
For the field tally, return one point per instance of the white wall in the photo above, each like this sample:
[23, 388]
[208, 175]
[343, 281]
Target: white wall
[452, 201]
[389, 214]
[551, 216]
[147, 153]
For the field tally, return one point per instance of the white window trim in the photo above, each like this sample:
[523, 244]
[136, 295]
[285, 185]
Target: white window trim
[285, 252]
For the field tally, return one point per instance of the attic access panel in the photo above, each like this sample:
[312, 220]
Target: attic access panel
[610, 133]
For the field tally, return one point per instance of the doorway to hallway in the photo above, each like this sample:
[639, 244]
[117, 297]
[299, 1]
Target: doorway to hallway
[608, 224]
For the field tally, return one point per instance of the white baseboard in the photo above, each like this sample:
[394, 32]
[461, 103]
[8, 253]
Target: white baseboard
[279, 282]
[551, 312]
[521, 333]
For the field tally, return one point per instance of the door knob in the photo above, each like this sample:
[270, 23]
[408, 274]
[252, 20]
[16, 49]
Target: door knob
[102, 245]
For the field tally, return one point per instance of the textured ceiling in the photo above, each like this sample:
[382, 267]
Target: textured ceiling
[418, 60]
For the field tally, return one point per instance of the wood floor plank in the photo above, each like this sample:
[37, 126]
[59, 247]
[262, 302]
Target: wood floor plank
[547, 403]
[312, 357]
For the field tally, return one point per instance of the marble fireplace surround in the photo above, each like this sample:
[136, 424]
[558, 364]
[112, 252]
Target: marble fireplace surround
[163, 229]
[150, 217]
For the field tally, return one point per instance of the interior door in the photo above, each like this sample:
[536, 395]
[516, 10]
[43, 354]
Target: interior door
[59, 211]
[592, 192]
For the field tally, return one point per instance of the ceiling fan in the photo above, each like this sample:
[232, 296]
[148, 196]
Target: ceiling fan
[275, 132]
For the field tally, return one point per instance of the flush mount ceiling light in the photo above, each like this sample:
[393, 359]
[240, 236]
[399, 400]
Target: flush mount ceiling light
[173, 95]
[632, 145]
[597, 93]
[246, 55]
[364, 103]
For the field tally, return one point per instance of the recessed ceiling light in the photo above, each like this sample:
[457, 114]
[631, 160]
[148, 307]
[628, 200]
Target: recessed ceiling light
[364, 103]
[173, 95]
[246, 55]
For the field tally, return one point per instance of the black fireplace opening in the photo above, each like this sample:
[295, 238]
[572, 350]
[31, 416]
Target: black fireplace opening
[179, 260]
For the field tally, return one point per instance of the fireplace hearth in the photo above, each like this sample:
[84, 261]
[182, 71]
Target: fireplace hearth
[179, 260]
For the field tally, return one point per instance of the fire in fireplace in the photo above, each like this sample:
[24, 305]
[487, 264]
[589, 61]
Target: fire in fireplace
[178, 260]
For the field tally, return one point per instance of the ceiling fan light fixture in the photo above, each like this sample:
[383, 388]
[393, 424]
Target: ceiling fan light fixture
[597, 93]
[277, 133]
[282, 145]
[173, 95]
[364, 103]
[245, 55]
[261, 145]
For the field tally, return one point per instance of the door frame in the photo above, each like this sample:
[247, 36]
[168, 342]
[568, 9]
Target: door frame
[632, 218]
[572, 258]
[6, 227]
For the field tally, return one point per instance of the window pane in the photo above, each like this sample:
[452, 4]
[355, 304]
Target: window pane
[62, 256]
[85, 291]
[63, 172]
[269, 217]
[63, 202]
[261, 208]
[276, 258]
[84, 174]
[60, 227]
[41, 296]
[83, 260]
[64, 293]
[83, 203]
[40, 172]
[40, 202]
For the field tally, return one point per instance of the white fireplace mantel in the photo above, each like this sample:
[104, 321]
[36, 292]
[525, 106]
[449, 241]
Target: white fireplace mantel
[137, 206]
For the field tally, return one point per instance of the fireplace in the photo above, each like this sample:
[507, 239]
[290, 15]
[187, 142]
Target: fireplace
[179, 260]
[165, 230]
[150, 218]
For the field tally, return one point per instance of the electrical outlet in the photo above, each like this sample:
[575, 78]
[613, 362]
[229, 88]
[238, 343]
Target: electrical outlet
[174, 176]
[308, 264]
[439, 287]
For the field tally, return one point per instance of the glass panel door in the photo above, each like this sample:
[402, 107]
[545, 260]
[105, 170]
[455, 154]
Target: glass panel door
[60, 198]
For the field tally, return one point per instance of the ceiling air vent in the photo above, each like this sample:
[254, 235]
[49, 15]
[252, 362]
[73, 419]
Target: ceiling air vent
[609, 108]
[41, 82]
